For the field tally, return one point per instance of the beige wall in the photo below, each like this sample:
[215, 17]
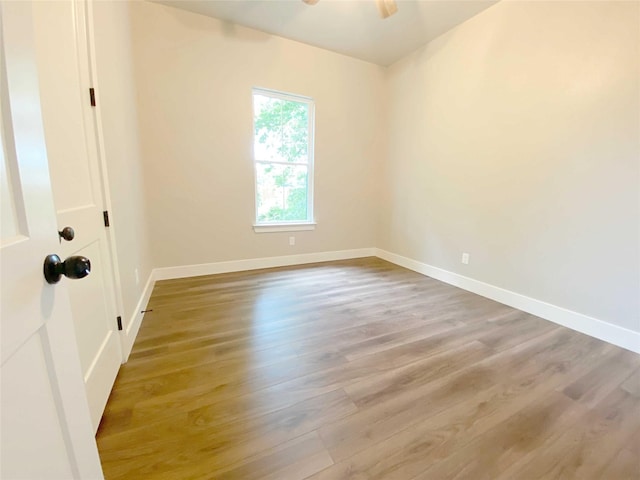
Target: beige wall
[195, 76]
[515, 138]
[118, 113]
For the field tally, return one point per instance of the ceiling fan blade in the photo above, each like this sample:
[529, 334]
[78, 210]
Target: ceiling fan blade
[386, 7]
[310, 2]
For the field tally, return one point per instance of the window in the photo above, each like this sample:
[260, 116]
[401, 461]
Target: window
[283, 157]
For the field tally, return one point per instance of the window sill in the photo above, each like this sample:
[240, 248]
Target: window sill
[284, 227]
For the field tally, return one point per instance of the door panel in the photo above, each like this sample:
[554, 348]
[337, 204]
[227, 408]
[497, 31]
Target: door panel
[77, 187]
[12, 213]
[87, 300]
[73, 183]
[100, 351]
[34, 430]
[23, 150]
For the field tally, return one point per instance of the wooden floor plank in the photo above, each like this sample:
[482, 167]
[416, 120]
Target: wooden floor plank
[190, 436]
[294, 460]
[436, 438]
[624, 465]
[588, 448]
[383, 419]
[490, 455]
[359, 369]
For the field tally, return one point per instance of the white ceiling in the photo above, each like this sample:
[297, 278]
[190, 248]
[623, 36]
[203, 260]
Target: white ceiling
[351, 27]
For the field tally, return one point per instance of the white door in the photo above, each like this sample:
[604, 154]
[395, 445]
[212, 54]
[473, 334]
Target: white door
[70, 134]
[45, 427]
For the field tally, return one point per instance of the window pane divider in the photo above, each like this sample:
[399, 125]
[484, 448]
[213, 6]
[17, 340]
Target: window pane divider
[304, 164]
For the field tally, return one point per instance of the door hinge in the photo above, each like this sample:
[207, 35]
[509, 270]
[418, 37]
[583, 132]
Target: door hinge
[105, 215]
[92, 97]
[119, 320]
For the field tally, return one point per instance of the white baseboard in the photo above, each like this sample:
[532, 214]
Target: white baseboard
[129, 334]
[168, 273]
[593, 327]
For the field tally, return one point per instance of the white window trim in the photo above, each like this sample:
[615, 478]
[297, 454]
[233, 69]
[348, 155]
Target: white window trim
[283, 227]
[309, 224]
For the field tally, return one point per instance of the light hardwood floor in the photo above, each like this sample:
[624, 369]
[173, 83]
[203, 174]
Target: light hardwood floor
[361, 369]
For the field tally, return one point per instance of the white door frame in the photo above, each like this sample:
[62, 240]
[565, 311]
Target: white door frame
[86, 46]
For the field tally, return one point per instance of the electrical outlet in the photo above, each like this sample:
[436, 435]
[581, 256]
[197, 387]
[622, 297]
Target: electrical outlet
[135, 272]
[292, 241]
[465, 258]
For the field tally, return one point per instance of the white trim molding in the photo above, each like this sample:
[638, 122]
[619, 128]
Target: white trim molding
[283, 227]
[593, 327]
[167, 273]
[129, 334]
[622, 337]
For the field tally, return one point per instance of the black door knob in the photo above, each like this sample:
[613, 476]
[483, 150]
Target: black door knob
[72, 267]
[67, 234]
